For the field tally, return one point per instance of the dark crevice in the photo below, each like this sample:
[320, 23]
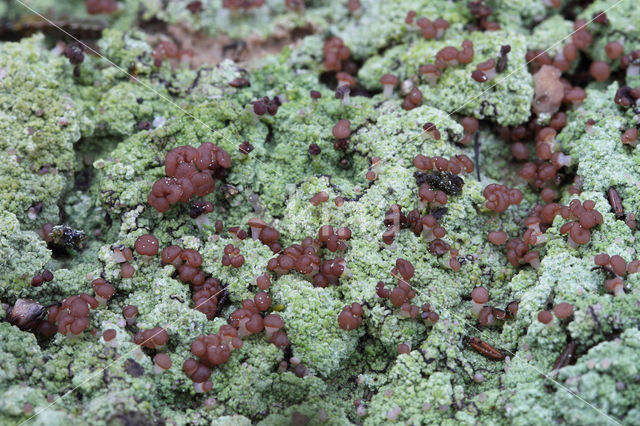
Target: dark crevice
[82, 179]
[571, 10]
[153, 25]
[269, 139]
[28, 25]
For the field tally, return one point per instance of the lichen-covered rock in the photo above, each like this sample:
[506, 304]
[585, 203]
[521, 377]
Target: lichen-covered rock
[23, 255]
[40, 123]
[320, 343]
[608, 376]
[505, 99]
[82, 145]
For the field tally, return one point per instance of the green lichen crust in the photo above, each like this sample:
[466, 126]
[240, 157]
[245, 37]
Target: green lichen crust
[621, 26]
[505, 99]
[551, 32]
[40, 122]
[272, 19]
[98, 138]
[519, 15]
[16, 271]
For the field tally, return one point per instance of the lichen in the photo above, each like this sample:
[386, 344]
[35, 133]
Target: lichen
[17, 267]
[505, 99]
[82, 146]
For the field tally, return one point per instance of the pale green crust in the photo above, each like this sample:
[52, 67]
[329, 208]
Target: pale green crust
[553, 31]
[40, 122]
[437, 382]
[520, 15]
[622, 28]
[17, 269]
[505, 99]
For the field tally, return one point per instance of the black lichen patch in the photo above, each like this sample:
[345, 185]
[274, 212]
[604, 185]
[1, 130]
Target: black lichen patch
[82, 179]
[439, 213]
[66, 236]
[133, 368]
[449, 183]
